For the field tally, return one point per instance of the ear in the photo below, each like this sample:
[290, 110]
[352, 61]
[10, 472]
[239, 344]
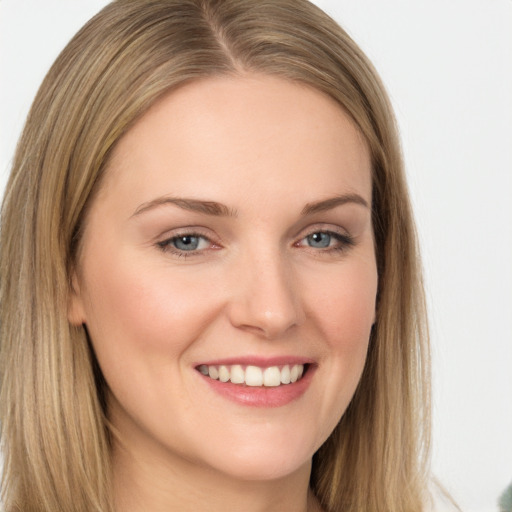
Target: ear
[76, 313]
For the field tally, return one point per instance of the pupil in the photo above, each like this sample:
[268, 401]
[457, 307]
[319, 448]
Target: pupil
[320, 240]
[186, 243]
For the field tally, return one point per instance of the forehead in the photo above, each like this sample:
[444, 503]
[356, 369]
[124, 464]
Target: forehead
[224, 133]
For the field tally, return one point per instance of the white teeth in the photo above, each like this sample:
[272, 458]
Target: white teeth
[272, 376]
[237, 374]
[254, 376]
[285, 375]
[223, 374]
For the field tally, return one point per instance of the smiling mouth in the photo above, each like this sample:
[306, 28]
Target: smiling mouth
[255, 376]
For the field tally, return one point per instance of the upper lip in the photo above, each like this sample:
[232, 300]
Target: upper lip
[262, 362]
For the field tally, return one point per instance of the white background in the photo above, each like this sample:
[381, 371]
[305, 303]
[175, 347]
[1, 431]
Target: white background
[448, 67]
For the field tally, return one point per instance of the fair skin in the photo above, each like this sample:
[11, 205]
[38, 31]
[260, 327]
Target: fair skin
[232, 229]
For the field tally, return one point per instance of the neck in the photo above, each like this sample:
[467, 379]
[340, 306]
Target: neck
[145, 483]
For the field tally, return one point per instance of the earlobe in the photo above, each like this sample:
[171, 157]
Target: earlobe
[76, 313]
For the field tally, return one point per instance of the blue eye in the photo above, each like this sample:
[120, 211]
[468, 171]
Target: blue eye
[327, 241]
[183, 245]
[186, 243]
[319, 240]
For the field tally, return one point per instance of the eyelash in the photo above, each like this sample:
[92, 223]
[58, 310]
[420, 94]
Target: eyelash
[344, 242]
[167, 245]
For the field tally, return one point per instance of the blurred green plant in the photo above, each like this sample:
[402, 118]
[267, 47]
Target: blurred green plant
[505, 502]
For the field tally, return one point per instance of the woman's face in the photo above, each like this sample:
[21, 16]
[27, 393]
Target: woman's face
[232, 236]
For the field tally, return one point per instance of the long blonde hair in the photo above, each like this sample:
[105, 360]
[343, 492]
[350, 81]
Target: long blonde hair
[54, 429]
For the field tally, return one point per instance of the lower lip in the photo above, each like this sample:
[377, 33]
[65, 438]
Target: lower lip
[261, 396]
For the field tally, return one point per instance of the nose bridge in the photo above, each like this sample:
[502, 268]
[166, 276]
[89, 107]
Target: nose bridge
[265, 300]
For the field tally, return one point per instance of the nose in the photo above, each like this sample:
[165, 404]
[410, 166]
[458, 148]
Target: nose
[265, 299]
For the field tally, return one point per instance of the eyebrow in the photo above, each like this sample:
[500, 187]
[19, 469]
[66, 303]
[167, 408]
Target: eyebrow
[333, 202]
[194, 205]
[221, 210]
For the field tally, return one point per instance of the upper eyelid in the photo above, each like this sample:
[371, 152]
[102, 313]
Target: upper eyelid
[165, 240]
[169, 234]
[180, 235]
[167, 246]
[321, 227]
[341, 237]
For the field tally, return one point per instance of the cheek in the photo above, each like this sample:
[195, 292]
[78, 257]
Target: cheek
[343, 304]
[132, 308]
[141, 321]
[344, 313]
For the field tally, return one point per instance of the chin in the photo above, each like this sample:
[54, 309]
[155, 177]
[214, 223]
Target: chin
[263, 469]
[264, 458]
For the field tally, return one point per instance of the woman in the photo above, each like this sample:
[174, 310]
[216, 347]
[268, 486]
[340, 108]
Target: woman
[211, 295]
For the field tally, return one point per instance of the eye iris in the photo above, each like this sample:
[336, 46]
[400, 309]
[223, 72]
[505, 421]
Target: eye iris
[319, 240]
[186, 243]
